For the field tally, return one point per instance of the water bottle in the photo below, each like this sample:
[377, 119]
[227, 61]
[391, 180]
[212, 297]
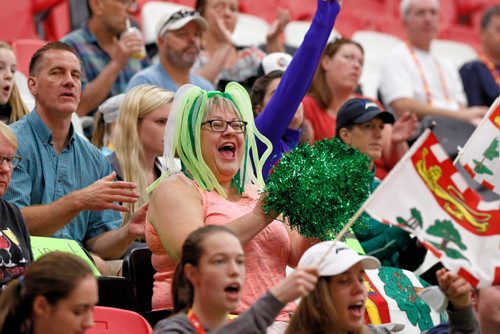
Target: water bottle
[139, 55]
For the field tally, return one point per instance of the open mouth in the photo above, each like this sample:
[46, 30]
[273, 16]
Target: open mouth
[232, 291]
[357, 309]
[227, 150]
[6, 89]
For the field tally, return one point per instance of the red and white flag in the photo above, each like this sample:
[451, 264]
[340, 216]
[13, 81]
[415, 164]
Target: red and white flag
[425, 195]
[481, 154]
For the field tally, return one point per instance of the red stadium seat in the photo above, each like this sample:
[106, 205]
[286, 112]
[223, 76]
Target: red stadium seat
[300, 10]
[392, 7]
[24, 49]
[16, 20]
[110, 320]
[58, 22]
[265, 9]
[461, 33]
[390, 25]
[448, 12]
[348, 23]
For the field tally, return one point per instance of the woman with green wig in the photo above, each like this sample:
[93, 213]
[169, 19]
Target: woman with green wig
[214, 136]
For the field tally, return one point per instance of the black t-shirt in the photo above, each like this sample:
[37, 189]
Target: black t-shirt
[15, 247]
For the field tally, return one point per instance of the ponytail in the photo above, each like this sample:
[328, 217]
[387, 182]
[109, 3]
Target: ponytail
[14, 315]
[182, 290]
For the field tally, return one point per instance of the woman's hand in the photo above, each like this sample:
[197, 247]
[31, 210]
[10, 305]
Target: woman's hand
[278, 26]
[404, 128]
[455, 287]
[296, 285]
[220, 32]
[259, 213]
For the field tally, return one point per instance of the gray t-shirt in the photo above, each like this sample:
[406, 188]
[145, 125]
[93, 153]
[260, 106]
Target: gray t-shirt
[255, 320]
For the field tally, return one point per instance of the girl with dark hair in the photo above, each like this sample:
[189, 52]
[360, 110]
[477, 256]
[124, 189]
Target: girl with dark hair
[207, 286]
[55, 295]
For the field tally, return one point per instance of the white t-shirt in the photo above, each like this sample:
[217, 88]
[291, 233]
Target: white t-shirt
[400, 78]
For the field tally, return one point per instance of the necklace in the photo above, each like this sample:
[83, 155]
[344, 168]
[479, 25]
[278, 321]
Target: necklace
[421, 73]
[195, 322]
[491, 67]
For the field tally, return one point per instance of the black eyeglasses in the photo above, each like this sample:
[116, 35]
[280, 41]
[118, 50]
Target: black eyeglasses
[218, 125]
[11, 161]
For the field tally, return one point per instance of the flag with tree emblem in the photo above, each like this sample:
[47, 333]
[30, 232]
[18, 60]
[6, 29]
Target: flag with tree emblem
[481, 154]
[425, 195]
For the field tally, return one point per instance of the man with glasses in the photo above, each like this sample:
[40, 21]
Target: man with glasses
[15, 249]
[179, 43]
[106, 51]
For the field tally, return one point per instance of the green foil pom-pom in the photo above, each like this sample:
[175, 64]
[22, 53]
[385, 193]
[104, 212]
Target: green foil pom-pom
[318, 189]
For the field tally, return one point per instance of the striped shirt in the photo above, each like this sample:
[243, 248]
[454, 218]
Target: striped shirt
[95, 59]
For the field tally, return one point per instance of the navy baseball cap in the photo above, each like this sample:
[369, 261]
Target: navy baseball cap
[357, 111]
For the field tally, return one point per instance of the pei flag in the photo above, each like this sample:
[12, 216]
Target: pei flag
[425, 195]
[481, 154]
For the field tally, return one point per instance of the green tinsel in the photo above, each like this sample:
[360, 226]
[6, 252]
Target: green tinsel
[320, 188]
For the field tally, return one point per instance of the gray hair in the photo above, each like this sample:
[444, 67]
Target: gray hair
[404, 7]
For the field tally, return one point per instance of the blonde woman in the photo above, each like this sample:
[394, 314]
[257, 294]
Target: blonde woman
[138, 139]
[12, 107]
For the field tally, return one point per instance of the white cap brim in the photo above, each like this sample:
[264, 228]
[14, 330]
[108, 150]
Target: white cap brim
[178, 24]
[338, 259]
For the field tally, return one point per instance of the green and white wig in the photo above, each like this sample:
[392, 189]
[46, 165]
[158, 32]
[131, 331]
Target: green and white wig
[183, 133]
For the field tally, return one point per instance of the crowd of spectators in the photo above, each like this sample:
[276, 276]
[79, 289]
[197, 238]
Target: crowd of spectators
[187, 141]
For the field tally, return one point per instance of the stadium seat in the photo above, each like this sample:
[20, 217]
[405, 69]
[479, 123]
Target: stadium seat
[115, 291]
[348, 23]
[451, 133]
[24, 49]
[152, 12]
[462, 34]
[109, 320]
[265, 9]
[448, 12]
[455, 53]
[390, 25]
[300, 10]
[58, 22]
[392, 7]
[17, 20]
[296, 30]
[376, 45]
[137, 268]
[22, 84]
[250, 30]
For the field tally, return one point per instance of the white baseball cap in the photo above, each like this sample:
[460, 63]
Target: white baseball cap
[276, 61]
[338, 260]
[179, 19]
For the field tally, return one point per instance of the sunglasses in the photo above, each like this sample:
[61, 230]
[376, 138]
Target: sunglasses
[180, 15]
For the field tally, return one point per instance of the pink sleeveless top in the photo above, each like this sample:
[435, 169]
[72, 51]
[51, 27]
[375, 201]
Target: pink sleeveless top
[266, 255]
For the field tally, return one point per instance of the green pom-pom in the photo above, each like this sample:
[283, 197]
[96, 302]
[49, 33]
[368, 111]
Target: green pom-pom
[318, 189]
